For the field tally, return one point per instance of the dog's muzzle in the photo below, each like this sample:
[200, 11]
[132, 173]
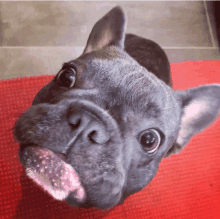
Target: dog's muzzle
[73, 150]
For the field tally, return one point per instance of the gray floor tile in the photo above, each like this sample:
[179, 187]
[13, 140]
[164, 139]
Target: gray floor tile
[21, 62]
[178, 23]
[181, 55]
[60, 31]
[170, 23]
[211, 19]
[49, 23]
[18, 62]
[59, 55]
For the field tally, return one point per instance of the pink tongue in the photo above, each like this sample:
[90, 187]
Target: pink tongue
[54, 175]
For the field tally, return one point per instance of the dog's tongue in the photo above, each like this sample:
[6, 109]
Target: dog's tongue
[51, 172]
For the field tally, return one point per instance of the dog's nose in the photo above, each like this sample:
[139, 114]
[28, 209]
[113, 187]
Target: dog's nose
[91, 128]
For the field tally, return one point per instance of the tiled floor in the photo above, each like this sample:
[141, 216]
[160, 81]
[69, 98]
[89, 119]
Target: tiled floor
[37, 37]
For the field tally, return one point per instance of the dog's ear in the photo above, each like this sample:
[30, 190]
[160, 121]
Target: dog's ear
[109, 30]
[200, 107]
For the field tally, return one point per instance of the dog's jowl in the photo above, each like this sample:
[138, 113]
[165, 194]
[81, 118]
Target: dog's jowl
[98, 131]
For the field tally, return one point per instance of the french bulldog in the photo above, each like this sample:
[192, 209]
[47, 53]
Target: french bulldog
[98, 131]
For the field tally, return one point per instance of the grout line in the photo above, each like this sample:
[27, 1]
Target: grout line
[37, 47]
[209, 24]
[189, 47]
[67, 47]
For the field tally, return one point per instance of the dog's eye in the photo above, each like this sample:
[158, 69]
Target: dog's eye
[150, 140]
[66, 77]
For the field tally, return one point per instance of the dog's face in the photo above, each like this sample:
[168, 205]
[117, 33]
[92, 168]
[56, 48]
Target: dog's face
[98, 131]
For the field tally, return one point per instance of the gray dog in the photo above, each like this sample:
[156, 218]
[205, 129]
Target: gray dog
[98, 131]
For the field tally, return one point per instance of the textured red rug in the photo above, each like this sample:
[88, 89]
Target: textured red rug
[187, 185]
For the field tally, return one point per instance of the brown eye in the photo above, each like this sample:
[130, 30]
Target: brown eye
[150, 140]
[67, 77]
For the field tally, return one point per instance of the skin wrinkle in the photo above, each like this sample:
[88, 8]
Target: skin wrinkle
[141, 70]
[127, 76]
[168, 93]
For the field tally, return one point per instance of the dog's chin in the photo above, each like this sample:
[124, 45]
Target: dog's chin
[52, 173]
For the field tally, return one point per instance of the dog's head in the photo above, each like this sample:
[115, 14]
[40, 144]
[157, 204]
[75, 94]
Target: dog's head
[98, 131]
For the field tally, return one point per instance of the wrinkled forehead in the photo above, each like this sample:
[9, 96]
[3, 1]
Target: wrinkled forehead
[115, 73]
[115, 66]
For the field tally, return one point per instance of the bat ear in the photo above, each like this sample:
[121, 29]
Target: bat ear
[200, 107]
[109, 30]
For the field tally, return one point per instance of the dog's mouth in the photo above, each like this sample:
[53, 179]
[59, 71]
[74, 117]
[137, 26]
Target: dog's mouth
[61, 156]
[92, 174]
[52, 173]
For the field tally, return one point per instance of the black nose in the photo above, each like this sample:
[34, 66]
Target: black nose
[92, 129]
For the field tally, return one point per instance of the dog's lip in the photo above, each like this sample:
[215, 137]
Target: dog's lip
[61, 156]
[23, 146]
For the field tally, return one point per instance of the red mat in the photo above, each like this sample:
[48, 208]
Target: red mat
[187, 185]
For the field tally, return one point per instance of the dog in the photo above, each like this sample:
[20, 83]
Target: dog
[98, 131]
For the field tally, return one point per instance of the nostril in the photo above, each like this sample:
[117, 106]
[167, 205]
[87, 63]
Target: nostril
[75, 122]
[93, 136]
[98, 136]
